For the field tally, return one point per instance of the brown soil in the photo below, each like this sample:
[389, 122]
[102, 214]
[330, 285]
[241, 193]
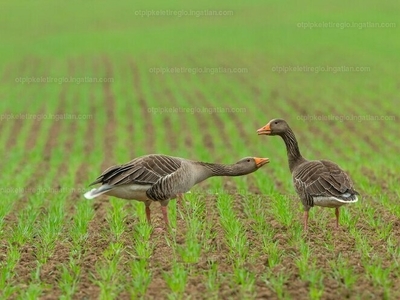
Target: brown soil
[148, 124]
[318, 237]
[172, 136]
[13, 136]
[96, 244]
[28, 261]
[33, 135]
[109, 130]
[207, 139]
[81, 175]
[126, 92]
[219, 125]
[40, 170]
[385, 137]
[50, 272]
[17, 124]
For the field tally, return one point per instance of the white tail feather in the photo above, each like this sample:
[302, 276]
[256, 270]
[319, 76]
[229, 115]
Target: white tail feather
[97, 192]
[332, 201]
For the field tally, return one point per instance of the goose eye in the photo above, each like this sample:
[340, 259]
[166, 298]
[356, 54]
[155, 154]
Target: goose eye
[276, 122]
[248, 160]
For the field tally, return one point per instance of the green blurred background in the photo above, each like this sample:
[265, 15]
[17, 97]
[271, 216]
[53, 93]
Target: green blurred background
[44, 38]
[268, 29]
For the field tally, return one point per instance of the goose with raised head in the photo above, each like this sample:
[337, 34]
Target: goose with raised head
[317, 182]
[158, 177]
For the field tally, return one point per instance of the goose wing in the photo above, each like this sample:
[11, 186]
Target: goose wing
[322, 178]
[142, 170]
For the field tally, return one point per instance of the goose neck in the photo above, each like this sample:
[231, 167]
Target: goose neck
[214, 169]
[292, 149]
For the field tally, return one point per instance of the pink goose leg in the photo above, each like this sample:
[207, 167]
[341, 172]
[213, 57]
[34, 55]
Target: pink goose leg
[164, 211]
[337, 217]
[305, 220]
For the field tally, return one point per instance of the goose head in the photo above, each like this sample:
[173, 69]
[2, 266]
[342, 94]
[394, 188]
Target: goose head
[249, 164]
[274, 127]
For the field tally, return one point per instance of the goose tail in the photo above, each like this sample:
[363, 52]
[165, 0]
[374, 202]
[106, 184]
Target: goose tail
[97, 192]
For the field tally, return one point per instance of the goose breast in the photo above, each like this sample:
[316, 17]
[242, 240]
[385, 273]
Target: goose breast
[178, 182]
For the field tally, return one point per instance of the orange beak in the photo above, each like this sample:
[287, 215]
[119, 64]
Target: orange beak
[261, 161]
[264, 130]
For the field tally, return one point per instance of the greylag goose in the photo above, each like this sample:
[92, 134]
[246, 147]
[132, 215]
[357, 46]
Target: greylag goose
[317, 182]
[158, 177]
